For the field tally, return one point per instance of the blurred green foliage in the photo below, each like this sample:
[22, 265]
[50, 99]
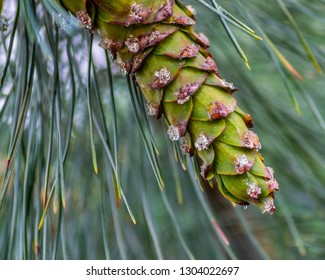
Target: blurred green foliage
[182, 221]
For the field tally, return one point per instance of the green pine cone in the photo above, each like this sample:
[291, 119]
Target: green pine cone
[156, 41]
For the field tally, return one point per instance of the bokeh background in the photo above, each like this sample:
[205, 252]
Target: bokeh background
[187, 220]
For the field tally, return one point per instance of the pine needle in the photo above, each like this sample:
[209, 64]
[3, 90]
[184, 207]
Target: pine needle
[90, 114]
[19, 130]
[241, 26]
[232, 36]
[301, 37]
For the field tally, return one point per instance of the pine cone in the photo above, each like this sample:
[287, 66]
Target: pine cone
[156, 42]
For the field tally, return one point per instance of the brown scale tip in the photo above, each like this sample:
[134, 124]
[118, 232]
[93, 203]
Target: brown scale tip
[270, 172]
[273, 185]
[186, 146]
[185, 92]
[248, 120]
[251, 140]
[84, 19]
[217, 110]
[112, 46]
[268, 207]
[190, 51]
[183, 20]
[203, 39]
[137, 62]
[242, 164]
[209, 64]
[156, 36]
[165, 11]
[138, 13]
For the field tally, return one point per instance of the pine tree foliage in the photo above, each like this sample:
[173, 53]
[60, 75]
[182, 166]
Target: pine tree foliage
[81, 157]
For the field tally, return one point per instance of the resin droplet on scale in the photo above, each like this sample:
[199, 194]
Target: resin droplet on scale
[121, 64]
[273, 185]
[153, 36]
[268, 207]
[132, 45]
[163, 75]
[228, 85]
[204, 170]
[202, 142]
[272, 182]
[161, 78]
[152, 109]
[253, 190]
[173, 133]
